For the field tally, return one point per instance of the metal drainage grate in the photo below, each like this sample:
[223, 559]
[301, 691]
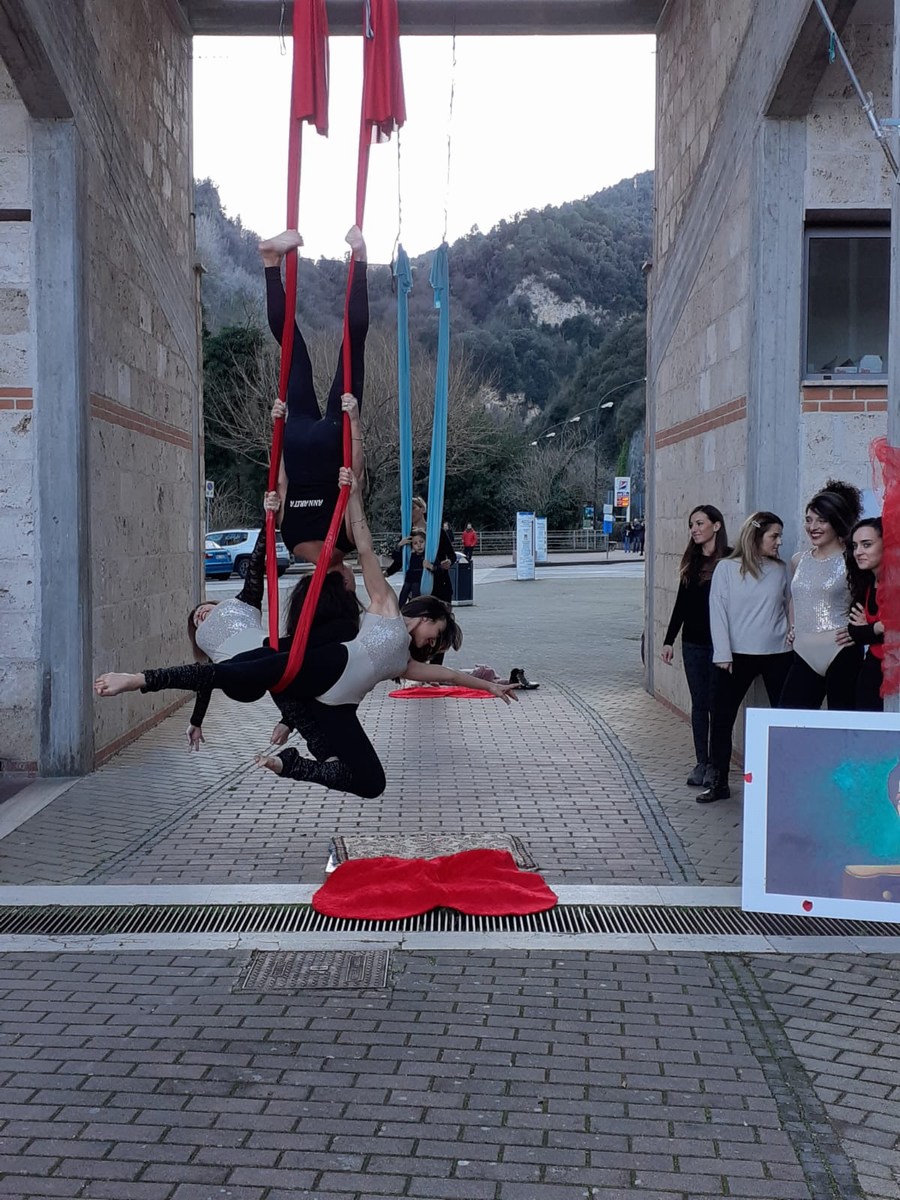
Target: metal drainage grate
[97, 920]
[299, 971]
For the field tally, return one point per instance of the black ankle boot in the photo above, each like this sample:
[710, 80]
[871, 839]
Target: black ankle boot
[718, 791]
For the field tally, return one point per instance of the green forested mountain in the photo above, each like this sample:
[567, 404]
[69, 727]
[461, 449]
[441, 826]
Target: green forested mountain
[547, 314]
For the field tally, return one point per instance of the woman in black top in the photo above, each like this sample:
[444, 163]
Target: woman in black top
[864, 557]
[708, 544]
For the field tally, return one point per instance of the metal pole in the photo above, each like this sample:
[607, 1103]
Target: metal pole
[865, 98]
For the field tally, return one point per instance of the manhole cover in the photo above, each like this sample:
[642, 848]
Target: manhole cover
[285, 971]
[304, 970]
[428, 845]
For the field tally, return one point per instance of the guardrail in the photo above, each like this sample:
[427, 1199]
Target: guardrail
[502, 541]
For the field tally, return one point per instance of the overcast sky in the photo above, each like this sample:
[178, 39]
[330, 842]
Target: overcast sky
[536, 121]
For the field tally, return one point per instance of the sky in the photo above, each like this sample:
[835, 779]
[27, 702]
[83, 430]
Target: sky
[535, 121]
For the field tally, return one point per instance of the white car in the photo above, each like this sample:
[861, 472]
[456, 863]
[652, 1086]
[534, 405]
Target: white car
[240, 542]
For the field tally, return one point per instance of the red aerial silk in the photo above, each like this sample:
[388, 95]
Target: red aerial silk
[309, 102]
[383, 107]
[888, 457]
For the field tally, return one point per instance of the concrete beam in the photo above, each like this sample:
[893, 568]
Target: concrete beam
[29, 64]
[808, 62]
[62, 418]
[776, 316]
[427, 17]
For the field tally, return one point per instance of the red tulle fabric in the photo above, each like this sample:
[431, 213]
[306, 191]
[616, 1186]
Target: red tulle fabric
[886, 459]
[384, 104]
[440, 693]
[309, 86]
[483, 883]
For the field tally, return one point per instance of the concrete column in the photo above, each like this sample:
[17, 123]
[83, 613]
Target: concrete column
[776, 296]
[62, 415]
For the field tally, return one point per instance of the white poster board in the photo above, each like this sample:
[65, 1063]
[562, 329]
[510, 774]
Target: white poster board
[821, 819]
[540, 539]
[525, 545]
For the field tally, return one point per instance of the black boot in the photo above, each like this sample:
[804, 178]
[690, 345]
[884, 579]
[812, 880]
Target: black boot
[717, 790]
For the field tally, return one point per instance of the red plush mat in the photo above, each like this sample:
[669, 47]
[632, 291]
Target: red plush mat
[483, 883]
[440, 693]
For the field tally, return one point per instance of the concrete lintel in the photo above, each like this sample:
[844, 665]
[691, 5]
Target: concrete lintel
[29, 64]
[61, 414]
[794, 92]
[429, 17]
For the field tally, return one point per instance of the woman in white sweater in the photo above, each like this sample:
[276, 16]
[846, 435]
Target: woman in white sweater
[748, 617]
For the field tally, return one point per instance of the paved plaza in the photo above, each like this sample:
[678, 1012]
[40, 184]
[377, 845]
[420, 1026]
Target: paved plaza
[504, 1071]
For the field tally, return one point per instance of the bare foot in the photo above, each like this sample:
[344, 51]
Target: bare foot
[271, 762]
[356, 242]
[115, 682]
[274, 250]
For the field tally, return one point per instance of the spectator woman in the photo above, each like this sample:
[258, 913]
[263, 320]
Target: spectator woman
[748, 618]
[826, 662]
[708, 544]
[864, 558]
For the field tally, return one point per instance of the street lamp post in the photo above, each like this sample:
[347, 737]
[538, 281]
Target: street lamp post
[603, 403]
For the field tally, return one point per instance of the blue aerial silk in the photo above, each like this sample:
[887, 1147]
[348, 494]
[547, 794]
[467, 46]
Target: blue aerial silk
[440, 282]
[403, 275]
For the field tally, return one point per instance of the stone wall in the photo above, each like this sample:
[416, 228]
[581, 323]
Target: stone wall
[701, 385]
[110, 185]
[18, 632]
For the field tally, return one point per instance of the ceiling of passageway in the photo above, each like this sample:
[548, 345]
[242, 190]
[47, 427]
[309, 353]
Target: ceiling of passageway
[501, 17]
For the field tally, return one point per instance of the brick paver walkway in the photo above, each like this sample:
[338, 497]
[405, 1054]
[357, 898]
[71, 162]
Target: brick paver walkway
[508, 1075]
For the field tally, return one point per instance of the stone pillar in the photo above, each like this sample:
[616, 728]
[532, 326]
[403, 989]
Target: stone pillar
[62, 417]
[776, 287]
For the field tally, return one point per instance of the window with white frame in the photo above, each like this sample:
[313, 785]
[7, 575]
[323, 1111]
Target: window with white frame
[847, 299]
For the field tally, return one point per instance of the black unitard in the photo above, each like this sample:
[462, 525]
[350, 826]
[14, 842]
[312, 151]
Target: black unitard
[328, 729]
[313, 443]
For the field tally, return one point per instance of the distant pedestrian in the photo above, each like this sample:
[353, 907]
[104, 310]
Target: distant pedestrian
[707, 546]
[629, 533]
[469, 541]
[449, 531]
[748, 619]
[639, 537]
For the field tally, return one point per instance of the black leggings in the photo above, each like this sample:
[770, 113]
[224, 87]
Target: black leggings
[728, 691]
[314, 444]
[806, 688]
[330, 730]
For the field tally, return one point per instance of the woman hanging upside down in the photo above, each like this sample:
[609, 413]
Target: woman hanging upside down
[335, 677]
[313, 443]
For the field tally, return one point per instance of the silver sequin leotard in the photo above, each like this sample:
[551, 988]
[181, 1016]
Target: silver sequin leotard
[821, 599]
[379, 652]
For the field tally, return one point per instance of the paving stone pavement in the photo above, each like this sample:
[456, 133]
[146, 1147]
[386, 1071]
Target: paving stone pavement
[507, 1075]
[523, 1076]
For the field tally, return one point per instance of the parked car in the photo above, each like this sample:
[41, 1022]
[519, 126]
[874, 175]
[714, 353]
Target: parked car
[239, 544]
[216, 561]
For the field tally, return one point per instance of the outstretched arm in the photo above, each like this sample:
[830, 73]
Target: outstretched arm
[432, 673]
[382, 599]
[350, 406]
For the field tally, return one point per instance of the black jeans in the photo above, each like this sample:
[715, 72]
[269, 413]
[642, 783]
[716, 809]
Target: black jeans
[805, 688]
[729, 690]
[698, 669]
[868, 685]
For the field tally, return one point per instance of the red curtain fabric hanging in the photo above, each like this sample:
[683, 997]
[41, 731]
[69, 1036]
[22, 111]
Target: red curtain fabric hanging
[383, 81]
[888, 457]
[309, 102]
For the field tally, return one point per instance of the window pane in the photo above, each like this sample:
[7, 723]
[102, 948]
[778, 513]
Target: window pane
[847, 305]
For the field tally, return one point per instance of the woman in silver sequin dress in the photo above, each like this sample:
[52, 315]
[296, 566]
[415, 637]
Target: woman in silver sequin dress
[335, 677]
[826, 663]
